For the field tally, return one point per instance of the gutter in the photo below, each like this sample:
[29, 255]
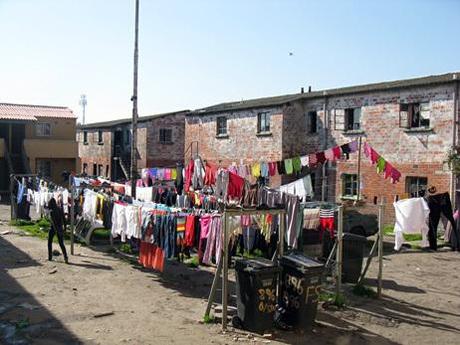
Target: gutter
[453, 181]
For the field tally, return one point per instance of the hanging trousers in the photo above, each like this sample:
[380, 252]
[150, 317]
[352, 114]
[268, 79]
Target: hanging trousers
[60, 236]
[440, 204]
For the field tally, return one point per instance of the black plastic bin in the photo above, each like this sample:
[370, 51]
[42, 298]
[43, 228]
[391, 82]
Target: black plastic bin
[300, 289]
[256, 281]
[353, 254]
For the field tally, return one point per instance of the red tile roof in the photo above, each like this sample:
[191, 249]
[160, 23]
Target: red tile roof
[27, 112]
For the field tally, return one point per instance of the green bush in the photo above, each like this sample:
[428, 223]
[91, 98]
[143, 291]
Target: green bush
[125, 248]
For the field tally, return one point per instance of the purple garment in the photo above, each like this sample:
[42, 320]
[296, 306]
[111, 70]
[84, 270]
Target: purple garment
[353, 146]
[214, 243]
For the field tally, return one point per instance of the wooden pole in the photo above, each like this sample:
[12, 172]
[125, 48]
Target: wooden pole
[358, 196]
[369, 259]
[380, 252]
[339, 250]
[225, 272]
[72, 215]
[134, 100]
[214, 285]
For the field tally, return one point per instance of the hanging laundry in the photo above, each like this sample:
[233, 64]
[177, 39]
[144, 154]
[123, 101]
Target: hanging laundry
[167, 174]
[233, 168]
[395, 175]
[235, 186]
[222, 184]
[198, 175]
[288, 166]
[326, 221]
[173, 174]
[188, 175]
[280, 166]
[210, 174]
[380, 165]
[255, 170]
[242, 171]
[337, 152]
[312, 160]
[320, 157]
[345, 150]
[411, 217]
[272, 168]
[354, 146]
[304, 161]
[302, 188]
[263, 169]
[311, 218]
[367, 150]
[296, 165]
[329, 154]
[387, 171]
[374, 157]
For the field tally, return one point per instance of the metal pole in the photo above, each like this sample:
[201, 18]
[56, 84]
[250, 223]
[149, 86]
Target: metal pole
[323, 174]
[72, 215]
[282, 232]
[134, 100]
[339, 250]
[380, 252]
[369, 259]
[12, 201]
[358, 196]
[225, 272]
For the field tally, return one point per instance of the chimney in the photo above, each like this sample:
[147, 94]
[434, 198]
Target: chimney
[309, 88]
[301, 90]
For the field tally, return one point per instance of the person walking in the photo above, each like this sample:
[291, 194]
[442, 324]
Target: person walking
[57, 227]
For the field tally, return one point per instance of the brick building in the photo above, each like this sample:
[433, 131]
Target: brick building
[36, 139]
[411, 123]
[105, 147]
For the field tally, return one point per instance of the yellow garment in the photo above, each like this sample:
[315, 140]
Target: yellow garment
[99, 206]
[173, 174]
[255, 170]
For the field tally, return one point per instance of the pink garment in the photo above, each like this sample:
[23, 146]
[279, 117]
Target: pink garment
[233, 169]
[367, 150]
[242, 171]
[205, 222]
[374, 156]
[245, 221]
[312, 161]
[395, 175]
[337, 152]
[387, 171]
[353, 146]
[214, 242]
[167, 174]
[329, 154]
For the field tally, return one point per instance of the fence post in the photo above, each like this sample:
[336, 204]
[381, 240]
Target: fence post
[380, 251]
[339, 250]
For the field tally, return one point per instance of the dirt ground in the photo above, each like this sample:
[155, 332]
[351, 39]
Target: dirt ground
[49, 303]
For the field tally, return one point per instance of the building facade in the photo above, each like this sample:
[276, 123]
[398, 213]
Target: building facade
[105, 147]
[36, 139]
[411, 123]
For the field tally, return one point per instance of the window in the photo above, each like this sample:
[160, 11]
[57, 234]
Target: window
[107, 171]
[352, 119]
[350, 185]
[128, 137]
[100, 139]
[100, 170]
[85, 137]
[43, 129]
[414, 115]
[85, 168]
[263, 122]
[221, 126]
[44, 168]
[165, 135]
[94, 169]
[416, 186]
[312, 121]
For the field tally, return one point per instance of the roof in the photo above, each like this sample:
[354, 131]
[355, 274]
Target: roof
[28, 112]
[127, 121]
[280, 100]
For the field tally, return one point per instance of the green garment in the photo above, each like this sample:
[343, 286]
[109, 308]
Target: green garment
[288, 166]
[381, 165]
[296, 164]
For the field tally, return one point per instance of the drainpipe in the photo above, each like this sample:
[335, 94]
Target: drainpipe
[453, 180]
[326, 125]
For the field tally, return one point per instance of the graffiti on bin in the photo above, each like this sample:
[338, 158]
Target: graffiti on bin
[267, 300]
[295, 290]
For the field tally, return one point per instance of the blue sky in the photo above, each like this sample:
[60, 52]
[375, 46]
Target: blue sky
[201, 52]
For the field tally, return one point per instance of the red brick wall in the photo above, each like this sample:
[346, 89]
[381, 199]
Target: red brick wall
[93, 152]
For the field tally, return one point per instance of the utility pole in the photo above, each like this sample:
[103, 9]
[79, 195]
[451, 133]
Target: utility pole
[83, 102]
[134, 100]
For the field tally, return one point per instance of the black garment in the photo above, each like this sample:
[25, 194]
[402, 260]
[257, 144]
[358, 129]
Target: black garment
[281, 167]
[60, 235]
[107, 210]
[346, 150]
[440, 203]
[179, 183]
[57, 227]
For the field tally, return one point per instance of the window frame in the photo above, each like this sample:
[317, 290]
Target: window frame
[85, 137]
[410, 115]
[162, 139]
[221, 131]
[420, 181]
[100, 137]
[40, 129]
[351, 113]
[85, 168]
[94, 169]
[312, 117]
[265, 116]
[354, 185]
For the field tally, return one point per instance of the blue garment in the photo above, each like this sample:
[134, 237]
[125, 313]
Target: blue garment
[263, 169]
[21, 190]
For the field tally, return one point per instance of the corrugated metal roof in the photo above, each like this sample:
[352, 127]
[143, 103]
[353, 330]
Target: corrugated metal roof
[28, 112]
[280, 100]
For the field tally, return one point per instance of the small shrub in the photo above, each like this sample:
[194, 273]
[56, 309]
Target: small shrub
[207, 319]
[125, 248]
[192, 262]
